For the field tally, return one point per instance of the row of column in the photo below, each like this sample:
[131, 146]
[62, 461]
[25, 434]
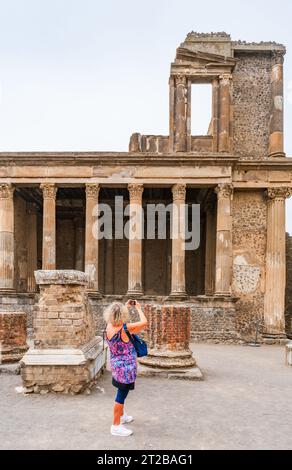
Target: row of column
[220, 283]
[180, 113]
[223, 252]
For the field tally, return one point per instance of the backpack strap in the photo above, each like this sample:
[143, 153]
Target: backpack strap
[127, 332]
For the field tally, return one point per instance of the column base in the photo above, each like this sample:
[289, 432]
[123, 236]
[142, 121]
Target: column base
[277, 155]
[7, 290]
[94, 294]
[178, 295]
[190, 373]
[134, 294]
[274, 338]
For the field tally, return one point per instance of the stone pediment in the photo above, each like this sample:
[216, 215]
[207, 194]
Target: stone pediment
[200, 63]
[198, 58]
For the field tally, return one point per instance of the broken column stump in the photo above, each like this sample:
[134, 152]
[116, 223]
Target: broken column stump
[13, 336]
[168, 337]
[66, 356]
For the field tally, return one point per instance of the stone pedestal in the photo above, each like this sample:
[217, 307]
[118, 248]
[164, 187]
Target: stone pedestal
[66, 357]
[168, 336]
[12, 336]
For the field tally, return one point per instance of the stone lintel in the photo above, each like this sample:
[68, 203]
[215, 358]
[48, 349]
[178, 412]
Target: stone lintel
[56, 276]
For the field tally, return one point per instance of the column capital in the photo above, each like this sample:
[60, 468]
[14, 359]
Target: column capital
[135, 191]
[6, 191]
[279, 193]
[179, 191]
[224, 190]
[277, 57]
[92, 190]
[180, 80]
[225, 78]
[49, 190]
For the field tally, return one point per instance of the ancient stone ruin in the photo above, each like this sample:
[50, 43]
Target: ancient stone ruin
[237, 172]
[168, 338]
[66, 356]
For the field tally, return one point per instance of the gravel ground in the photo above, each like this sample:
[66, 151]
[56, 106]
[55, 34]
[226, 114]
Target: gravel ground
[244, 403]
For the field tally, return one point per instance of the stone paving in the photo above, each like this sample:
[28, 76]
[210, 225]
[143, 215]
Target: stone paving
[244, 403]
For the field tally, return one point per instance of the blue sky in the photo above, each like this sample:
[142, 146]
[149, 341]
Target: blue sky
[85, 74]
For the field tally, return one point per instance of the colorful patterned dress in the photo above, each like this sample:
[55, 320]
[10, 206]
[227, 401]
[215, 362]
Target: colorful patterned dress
[123, 360]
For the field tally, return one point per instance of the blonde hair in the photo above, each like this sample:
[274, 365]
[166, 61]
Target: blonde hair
[116, 314]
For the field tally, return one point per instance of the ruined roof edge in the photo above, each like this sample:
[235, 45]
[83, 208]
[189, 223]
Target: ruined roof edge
[239, 45]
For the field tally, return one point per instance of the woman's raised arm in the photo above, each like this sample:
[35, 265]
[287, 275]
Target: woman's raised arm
[139, 325]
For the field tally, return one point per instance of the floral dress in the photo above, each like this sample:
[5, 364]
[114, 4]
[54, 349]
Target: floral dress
[123, 360]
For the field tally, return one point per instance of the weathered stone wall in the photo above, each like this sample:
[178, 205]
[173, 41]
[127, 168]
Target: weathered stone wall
[214, 322]
[252, 105]
[288, 310]
[249, 253]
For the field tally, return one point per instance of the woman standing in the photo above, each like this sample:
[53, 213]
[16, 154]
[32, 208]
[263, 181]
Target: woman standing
[123, 358]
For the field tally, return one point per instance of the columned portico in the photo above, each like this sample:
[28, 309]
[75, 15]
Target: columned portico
[274, 306]
[178, 282]
[6, 237]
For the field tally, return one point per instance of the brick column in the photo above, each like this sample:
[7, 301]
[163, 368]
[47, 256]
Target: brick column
[31, 246]
[224, 116]
[6, 237]
[276, 142]
[180, 120]
[168, 337]
[178, 284]
[135, 241]
[91, 238]
[49, 225]
[224, 240]
[274, 307]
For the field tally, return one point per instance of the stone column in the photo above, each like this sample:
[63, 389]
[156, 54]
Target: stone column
[79, 243]
[168, 337]
[178, 283]
[181, 114]
[49, 225]
[215, 113]
[31, 246]
[224, 118]
[171, 113]
[210, 252]
[6, 237]
[223, 280]
[91, 236]
[276, 142]
[135, 240]
[274, 317]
